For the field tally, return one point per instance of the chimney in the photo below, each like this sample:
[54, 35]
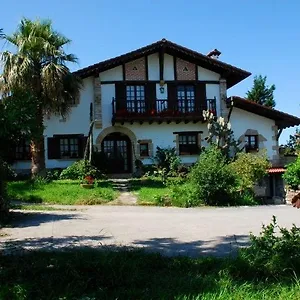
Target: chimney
[214, 54]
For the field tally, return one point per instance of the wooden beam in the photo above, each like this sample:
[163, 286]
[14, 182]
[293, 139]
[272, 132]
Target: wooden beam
[123, 72]
[161, 63]
[175, 67]
[147, 68]
[279, 133]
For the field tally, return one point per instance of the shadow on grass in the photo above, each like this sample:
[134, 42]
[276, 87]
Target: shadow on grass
[118, 273]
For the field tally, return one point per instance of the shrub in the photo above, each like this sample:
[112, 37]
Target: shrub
[53, 174]
[249, 169]
[214, 178]
[185, 195]
[79, 170]
[167, 160]
[292, 174]
[275, 250]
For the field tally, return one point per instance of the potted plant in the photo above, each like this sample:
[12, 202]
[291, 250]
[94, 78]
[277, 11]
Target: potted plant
[88, 182]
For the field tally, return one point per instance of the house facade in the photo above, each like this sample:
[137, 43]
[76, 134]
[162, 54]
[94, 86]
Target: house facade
[154, 97]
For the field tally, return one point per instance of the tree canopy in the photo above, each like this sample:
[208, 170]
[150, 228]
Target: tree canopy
[39, 66]
[261, 93]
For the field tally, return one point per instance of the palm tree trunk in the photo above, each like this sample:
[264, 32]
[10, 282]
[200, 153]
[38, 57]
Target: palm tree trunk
[38, 165]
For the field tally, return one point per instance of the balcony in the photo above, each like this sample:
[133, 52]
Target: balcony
[160, 111]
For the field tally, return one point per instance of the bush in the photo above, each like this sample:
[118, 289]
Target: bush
[249, 169]
[80, 169]
[292, 174]
[185, 195]
[213, 178]
[167, 160]
[275, 251]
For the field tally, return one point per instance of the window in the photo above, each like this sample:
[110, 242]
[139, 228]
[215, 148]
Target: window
[188, 144]
[69, 147]
[186, 98]
[144, 149]
[135, 98]
[23, 150]
[251, 142]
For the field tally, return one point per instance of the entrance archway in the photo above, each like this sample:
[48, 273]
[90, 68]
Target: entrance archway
[117, 149]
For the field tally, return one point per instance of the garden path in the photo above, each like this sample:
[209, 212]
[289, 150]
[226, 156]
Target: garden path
[125, 197]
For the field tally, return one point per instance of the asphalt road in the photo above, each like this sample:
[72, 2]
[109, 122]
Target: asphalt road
[172, 231]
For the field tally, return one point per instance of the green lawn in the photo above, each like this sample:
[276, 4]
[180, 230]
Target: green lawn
[61, 192]
[147, 189]
[88, 274]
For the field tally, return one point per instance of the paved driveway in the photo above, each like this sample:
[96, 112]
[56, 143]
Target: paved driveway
[172, 231]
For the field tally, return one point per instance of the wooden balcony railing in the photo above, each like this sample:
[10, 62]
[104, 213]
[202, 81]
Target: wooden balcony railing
[160, 110]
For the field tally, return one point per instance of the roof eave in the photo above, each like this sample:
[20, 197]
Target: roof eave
[282, 119]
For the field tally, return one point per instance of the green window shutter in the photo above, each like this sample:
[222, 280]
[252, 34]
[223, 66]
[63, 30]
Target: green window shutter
[120, 98]
[201, 96]
[53, 148]
[150, 94]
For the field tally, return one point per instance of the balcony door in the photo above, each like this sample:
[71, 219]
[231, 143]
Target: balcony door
[186, 98]
[135, 98]
[117, 150]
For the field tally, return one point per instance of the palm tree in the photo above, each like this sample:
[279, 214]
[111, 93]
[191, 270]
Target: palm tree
[39, 66]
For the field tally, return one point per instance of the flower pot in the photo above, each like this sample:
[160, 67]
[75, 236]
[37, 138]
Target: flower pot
[87, 186]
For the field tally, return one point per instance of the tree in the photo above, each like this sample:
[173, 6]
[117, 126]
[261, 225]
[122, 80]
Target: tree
[292, 147]
[39, 67]
[261, 93]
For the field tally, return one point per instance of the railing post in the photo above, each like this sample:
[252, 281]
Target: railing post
[113, 106]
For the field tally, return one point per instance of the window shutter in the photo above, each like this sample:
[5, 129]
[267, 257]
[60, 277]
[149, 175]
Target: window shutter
[150, 93]
[53, 148]
[201, 102]
[81, 145]
[120, 95]
[172, 96]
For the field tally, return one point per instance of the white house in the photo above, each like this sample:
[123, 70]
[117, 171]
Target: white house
[154, 96]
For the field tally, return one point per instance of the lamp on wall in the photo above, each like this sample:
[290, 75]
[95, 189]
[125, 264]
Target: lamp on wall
[162, 88]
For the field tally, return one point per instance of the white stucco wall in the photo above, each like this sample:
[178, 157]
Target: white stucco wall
[153, 66]
[204, 74]
[162, 136]
[115, 74]
[242, 120]
[107, 93]
[168, 67]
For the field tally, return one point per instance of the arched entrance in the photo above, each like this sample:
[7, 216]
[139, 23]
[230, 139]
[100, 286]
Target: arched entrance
[118, 152]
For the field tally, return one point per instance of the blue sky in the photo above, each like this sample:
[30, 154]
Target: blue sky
[262, 37]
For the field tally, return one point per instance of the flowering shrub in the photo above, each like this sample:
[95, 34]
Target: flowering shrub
[88, 180]
[220, 133]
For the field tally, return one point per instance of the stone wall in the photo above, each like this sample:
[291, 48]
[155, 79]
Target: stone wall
[290, 194]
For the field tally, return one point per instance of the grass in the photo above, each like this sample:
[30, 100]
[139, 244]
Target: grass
[124, 274]
[66, 192]
[148, 189]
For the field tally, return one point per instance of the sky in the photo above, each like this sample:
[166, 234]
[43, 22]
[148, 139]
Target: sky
[262, 37]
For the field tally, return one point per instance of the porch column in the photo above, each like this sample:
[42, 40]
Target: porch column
[97, 103]
[224, 110]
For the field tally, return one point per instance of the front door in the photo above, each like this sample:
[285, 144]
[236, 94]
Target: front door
[117, 150]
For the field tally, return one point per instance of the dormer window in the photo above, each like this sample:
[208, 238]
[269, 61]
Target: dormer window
[251, 143]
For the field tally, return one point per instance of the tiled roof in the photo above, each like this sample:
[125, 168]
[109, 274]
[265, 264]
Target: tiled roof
[231, 73]
[276, 170]
[282, 119]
